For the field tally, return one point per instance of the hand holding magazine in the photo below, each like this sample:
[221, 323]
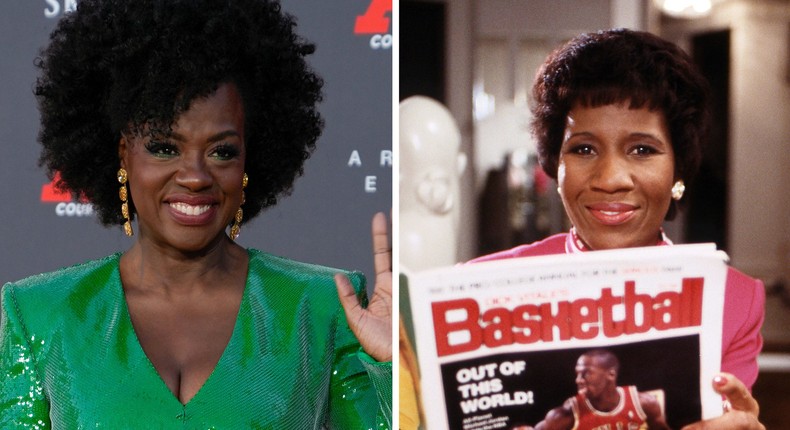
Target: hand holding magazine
[615, 339]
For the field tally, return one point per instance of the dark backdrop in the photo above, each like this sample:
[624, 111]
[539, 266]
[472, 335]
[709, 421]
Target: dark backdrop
[325, 221]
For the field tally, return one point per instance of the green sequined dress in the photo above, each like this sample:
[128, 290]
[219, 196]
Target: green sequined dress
[71, 359]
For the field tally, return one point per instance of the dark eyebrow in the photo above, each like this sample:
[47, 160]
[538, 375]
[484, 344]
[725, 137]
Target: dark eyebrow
[648, 135]
[584, 134]
[581, 133]
[214, 138]
[636, 134]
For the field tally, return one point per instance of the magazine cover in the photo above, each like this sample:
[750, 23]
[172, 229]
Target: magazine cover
[508, 344]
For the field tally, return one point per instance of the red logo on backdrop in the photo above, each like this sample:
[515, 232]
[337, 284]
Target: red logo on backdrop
[375, 19]
[51, 194]
[65, 202]
[376, 23]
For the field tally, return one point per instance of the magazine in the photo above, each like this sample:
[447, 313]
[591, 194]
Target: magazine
[501, 344]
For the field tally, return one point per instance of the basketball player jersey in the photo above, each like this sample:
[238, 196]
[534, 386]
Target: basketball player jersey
[628, 415]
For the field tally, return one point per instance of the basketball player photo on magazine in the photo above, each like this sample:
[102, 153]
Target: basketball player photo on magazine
[608, 339]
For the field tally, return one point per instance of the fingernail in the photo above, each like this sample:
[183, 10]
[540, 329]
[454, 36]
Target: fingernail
[720, 380]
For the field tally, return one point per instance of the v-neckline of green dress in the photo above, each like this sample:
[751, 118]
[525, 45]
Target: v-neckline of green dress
[70, 358]
[121, 295]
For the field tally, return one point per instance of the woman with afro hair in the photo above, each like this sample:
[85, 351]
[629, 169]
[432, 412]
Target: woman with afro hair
[188, 117]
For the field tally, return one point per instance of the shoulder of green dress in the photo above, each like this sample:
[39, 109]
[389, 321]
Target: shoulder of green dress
[297, 272]
[62, 283]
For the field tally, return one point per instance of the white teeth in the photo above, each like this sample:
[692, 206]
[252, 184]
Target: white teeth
[189, 209]
[611, 213]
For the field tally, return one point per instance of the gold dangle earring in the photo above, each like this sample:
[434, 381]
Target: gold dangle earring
[678, 189]
[235, 229]
[123, 193]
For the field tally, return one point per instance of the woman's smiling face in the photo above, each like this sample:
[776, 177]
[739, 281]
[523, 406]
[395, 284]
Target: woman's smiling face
[187, 185]
[616, 170]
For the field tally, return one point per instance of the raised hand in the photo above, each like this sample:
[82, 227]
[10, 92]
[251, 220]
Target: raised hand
[372, 325]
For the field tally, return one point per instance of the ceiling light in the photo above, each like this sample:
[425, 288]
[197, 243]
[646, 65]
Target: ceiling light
[685, 8]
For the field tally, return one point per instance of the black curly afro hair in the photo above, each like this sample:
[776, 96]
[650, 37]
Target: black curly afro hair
[622, 66]
[115, 66]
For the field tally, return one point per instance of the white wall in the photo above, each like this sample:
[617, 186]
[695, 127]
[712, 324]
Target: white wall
[759, 212]
[470, 20]
[459, 101]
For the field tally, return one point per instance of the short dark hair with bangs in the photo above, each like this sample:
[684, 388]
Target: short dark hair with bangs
[622, 66]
